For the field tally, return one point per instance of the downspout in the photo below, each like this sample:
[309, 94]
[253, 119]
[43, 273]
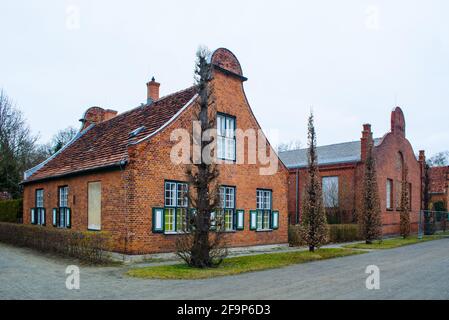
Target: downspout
[125, 184]
[297, 196]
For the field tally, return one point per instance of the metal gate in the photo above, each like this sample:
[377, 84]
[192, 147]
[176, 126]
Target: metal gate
[432, 222]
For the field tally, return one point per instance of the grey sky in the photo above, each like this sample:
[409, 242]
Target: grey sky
[351, 60]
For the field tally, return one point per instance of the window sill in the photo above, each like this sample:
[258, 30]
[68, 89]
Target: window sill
[390, 209]
[171, 233]
[264, 230]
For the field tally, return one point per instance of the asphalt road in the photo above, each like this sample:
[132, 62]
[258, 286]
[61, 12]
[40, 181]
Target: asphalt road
[412, 272]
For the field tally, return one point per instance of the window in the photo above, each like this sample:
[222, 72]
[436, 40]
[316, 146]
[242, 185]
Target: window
[226, 137]
[224, 217]
[410, 196]
[176, 207]
[389, 194]
[263, 203]
[62, 214]
[330, 192]
[38, 213]
[94, 206]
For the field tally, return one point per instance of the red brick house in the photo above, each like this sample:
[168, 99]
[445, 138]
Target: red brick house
[439, 185]
[341, 168]
[117, 176]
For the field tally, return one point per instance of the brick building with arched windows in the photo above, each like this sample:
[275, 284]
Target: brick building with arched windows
[341, 167]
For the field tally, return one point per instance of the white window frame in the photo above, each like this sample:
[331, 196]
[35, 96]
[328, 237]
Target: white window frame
[226, 212]
[226, 140]
[176, 206]
[328, 183]
[389, 194]
[264, 209]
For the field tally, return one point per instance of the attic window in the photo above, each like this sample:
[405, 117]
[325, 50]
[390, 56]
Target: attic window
[136, 132]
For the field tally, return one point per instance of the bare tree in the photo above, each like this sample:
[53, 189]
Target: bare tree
[405, 206]
[17, 146]
[314, 215]
[370, 221]
[429, 219]
[440, 159]
[199, 247]
[61, 138]
[288, 146]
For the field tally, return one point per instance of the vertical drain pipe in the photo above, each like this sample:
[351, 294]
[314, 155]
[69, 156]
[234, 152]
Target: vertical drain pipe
[297, 196]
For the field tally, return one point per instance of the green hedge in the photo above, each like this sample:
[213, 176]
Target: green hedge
[11, 210]
[337, 233]
[343, 233]
[91, 247]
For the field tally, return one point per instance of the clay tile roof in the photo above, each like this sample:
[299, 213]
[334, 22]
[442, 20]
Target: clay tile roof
[439, 177]
[105, 144]
[347, 152]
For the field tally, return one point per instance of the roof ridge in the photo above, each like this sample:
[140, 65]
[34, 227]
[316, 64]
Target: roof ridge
[327, 145]
[173, 93]
[145, 105]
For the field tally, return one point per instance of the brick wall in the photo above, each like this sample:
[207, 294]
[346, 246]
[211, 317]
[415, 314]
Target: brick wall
[151, 166]
[394, 152]
[128, 196]
[113, 213]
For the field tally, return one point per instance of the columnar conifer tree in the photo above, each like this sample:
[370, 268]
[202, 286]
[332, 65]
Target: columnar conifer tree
[405, 206]
[198, 247]
[370, 221]
[314, 215]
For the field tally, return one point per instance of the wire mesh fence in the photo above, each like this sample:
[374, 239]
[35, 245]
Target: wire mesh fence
[431, 222]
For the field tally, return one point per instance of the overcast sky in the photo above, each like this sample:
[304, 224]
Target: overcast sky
[352, 61]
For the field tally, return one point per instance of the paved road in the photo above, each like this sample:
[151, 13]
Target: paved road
[413, 272]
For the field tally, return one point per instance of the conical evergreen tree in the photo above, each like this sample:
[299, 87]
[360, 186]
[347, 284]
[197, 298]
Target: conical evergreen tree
[405, 206]
[314, 215]
[371, 221]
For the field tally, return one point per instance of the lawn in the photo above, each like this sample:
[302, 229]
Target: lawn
[237, 265]
[395, 242]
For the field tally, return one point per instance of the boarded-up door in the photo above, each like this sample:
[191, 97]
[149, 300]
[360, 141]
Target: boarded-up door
[94, 206]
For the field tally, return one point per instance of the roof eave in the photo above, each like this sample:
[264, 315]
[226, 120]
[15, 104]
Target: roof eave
[325, 164]
[108, 167]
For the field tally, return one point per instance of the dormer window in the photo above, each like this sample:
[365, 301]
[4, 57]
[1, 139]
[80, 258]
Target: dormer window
[226, 137]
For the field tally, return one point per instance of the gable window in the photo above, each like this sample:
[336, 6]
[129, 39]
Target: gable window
[330, 192]
[38, 212]
[225, 215]
[62, 214]
[226, 137]
[389, 194]
[410, 196]
[263, 203]
[176, 207]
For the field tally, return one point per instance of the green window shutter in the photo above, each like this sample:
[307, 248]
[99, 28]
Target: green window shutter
[240, 220]
[275, 220]
[44, 217]
[55, 217]
[191, 219]
[68, 218]
[33, 217]
[213, 221]
[253, 220]
[158, 220]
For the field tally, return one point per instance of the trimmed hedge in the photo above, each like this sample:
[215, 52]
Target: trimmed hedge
[337, 233]
[344, 233]
[90, 247]
[11, 210]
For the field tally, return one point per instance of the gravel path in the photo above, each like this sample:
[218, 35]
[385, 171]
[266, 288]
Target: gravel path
[411, 272]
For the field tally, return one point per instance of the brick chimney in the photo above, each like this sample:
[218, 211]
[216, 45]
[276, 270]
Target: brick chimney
[367, 138]
[96, 115]
[422, 156]
[152, 91]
